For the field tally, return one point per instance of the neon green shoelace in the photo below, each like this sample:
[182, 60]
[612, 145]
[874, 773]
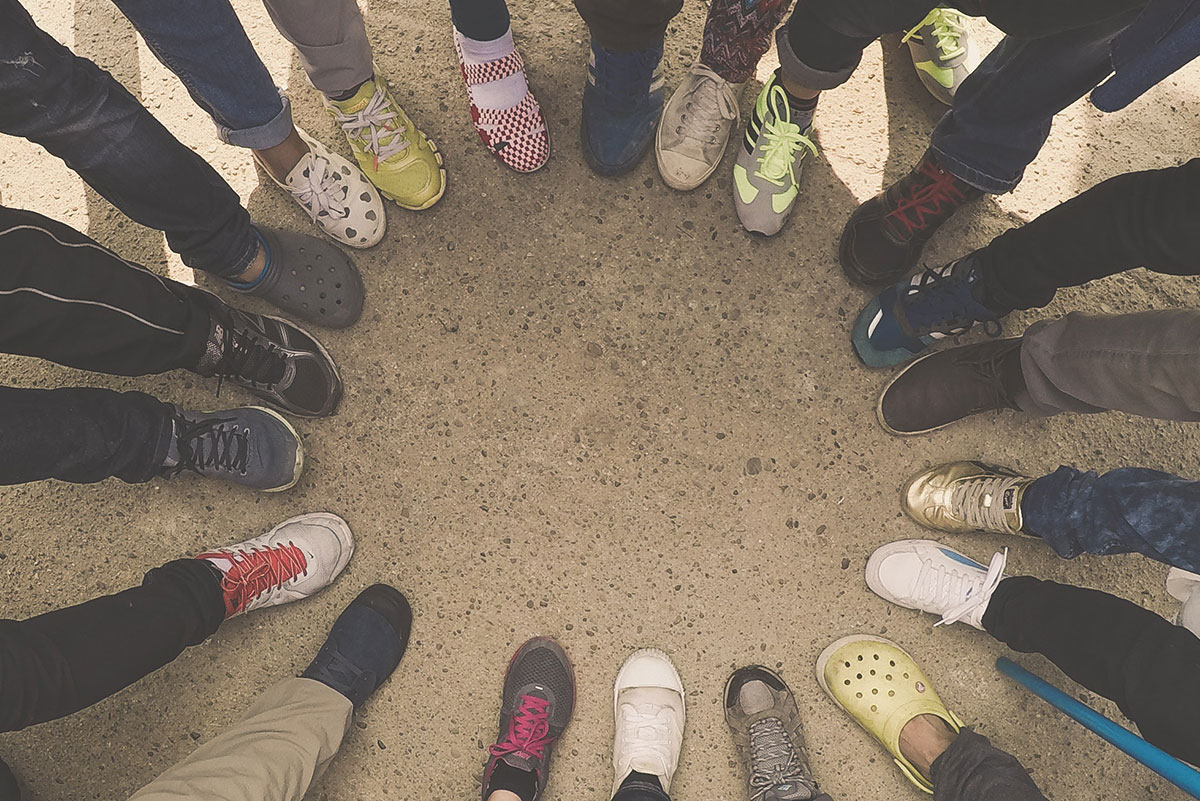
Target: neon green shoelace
[783, 139]
[948, 30]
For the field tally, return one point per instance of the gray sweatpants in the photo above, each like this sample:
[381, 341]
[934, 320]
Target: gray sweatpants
[331, 39]
[1146, 363]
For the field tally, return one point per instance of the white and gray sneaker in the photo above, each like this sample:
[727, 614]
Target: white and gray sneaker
[336, 195]
[296, 559]
[1185, 588]
[648, 709]
[695, 127]
[942, 52]
[929, 577]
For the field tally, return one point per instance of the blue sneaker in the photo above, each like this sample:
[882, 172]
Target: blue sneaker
[622, 103]
[365, 644]
[909, 317]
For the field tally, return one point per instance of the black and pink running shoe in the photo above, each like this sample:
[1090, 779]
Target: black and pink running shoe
[539, 697]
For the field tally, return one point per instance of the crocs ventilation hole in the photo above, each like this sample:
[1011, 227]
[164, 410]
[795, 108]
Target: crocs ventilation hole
[891, 693]
[892, 662]
[872, 673]
[876, 657]
[888, 677]
[874, 691]
[858, 695]
[874, 708]
[847, 682]
[860, 677]
[847, 664]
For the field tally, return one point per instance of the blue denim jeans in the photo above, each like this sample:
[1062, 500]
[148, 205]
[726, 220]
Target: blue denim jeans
[205, 45]
[80, 114]
[1130, 510]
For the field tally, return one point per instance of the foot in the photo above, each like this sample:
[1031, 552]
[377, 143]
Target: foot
[943, 387]
[307, 279]
[279, 363]
[251, 446]
[296, 559]
[762, 714]
[942, 52]
[766, 175]
[395, 156]
[913, 315]
[510, 125]
[967, 498]
[883, 689]
[929, 577]
[365, 645]
[649, 710]
[695, 127]
[1185, 588]
[622, 103]
[539, 698]
[336, 195]
[884, 237]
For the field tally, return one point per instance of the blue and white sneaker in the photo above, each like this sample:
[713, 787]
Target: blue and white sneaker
[929, 577]
[907, 318]
[622, 102]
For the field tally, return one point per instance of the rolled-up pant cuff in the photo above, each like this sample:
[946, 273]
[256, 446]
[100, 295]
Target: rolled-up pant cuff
[261, 137]
[796, 70]
[968, 174]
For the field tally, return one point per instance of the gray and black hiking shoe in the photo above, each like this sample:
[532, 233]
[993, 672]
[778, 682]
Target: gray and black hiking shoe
[765, 722]
[539, 697]
[278, 362]
[942, 52]
[251, 446]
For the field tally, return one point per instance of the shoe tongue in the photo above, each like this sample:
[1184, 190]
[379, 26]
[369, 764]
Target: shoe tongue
[358, 101]
[793, 791]
[520, 762]
[755, 697]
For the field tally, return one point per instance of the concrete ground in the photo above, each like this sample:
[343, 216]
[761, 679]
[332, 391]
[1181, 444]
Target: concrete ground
[590, 408]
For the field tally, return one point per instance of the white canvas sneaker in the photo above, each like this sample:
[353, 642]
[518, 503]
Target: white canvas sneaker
[648, 709]
[695, 127]
[928, 576]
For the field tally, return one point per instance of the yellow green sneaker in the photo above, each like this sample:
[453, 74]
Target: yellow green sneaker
[400, 160]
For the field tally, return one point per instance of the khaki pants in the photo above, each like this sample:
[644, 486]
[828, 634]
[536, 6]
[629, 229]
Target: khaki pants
[331, 39]
[281, 746]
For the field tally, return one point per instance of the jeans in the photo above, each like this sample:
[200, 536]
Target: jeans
[1129, 510]
[1054, 54]
[972, 769]
[625, 25]
[67, 299]
[481, 20]
[1143, 219]
[640, 787]
[63, 661]
[1117, 649]
[82, 435]
[205, 45]
[79, 113]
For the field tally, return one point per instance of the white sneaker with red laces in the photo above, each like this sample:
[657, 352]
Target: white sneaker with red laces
[296, 559]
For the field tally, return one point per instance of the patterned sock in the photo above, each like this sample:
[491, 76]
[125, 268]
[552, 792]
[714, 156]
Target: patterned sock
[501, 94]
[803, 109]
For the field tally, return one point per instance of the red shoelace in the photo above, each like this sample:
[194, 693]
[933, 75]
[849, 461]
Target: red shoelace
[528, 731]
[929, 201]
[255, 571]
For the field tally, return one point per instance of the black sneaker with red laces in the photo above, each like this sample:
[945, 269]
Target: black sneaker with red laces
[884, 237]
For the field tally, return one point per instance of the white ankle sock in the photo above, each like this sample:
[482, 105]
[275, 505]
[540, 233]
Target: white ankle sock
[501, 94]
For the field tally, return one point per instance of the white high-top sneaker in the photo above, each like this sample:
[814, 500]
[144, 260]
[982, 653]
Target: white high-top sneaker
[928, 576]
[649, 713]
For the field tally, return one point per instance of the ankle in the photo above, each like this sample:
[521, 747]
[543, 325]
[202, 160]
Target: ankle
[349, 93]
[508, 783]
[283, 157]
[796, 90]
[923, 739]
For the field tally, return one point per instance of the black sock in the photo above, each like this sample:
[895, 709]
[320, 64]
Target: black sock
[802, 108]
[522, 783]
[349, 93]
[641, 778]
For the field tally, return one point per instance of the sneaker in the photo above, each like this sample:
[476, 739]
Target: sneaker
[1185, 588]
[365, 645]
[944, 387]
[929, 577]
[539, 698]
[762, 714]
[335, 194]
[882, 689]
[622, 103]
[942, 52]
[279, 363]
[884, 237]
[695, 128]
[648, 708]
[518, 136]
[967, 498]
[395, 156]
[911, 316]
[296, 559]
[766, 174]
[251, 446]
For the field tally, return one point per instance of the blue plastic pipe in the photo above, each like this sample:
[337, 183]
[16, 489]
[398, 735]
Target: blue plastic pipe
[1177, 773]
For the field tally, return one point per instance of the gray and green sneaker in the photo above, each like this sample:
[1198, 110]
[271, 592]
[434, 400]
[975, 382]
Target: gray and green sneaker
[766, 175]
[762, 714]
[942, 52]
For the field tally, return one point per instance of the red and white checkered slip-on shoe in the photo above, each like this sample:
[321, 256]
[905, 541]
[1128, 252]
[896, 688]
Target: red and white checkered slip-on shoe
[518, 136]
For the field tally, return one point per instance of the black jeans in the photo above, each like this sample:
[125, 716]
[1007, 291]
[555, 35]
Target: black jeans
[67, 299]
[80, 113]
[972, 769]
[1138, 219]
[58, 663]
[1117, 649]
[627, 24]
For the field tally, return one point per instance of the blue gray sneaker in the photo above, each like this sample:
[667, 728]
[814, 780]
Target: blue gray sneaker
[251, 446]
[909, 317]
[622, 103]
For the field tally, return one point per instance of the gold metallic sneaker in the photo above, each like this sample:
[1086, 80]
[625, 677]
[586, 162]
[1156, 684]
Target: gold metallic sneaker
[967, 498]
[400, 160]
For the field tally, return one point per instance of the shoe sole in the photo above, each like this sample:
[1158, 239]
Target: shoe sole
[433, 200]
[867, 353]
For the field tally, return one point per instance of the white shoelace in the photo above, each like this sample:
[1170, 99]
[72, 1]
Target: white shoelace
[959, 591]
[980, 502]
[646, 733]
[317, 191]
[372, 126]
[709, 107]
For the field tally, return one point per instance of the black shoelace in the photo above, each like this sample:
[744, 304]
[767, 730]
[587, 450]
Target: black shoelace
[250, 357]
[211, 445]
